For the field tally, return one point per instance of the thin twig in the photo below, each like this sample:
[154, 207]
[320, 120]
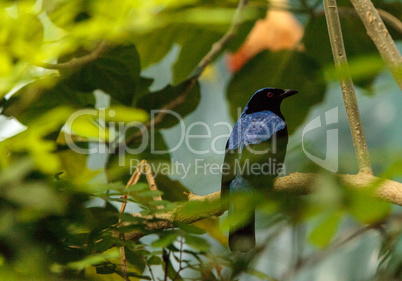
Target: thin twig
[151, 272]
[79, 61]
[151, 182]
[180, 259]
[388, 18]
[166, 257]
[378, 32]
[391, 20]
[318, 257]
[348, 91]
[133, 180]
[135, 177]
[215, 50]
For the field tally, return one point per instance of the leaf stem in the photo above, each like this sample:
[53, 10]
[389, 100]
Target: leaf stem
[348, 91]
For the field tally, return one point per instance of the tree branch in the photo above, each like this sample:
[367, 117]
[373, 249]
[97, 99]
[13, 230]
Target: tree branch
[303, 183]
[79, 61]
[349, 95]
[378, 32]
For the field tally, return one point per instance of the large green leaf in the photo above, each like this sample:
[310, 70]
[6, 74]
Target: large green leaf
[37, 98]
[157, 100]
[195, 40]
[326, 230]
[117, 72]
[285, 70]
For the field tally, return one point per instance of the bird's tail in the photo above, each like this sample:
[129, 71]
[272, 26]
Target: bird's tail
[243, 238]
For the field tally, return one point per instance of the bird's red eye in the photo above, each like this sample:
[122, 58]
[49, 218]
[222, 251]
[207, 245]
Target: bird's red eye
[270, 95]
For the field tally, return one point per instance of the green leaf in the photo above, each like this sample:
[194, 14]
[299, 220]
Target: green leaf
[195, 33]
[285, 70]
[25, 35]
[172, 273]
[165, 239]
[117, 72]
[48, 94]
[151, 193]
[105, 243]
[94, 259]
[192, 229]
[191, 54]
[157, 100]
[135, 259]
[119, 113]
[365, 207]
[172, 190]
[154, 260]
[323, 233]
[196, 242]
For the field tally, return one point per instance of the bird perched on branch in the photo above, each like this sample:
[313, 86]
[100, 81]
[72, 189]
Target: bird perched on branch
[258, 139]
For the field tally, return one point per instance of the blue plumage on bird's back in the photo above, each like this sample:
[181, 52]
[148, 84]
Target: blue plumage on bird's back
[255, 128]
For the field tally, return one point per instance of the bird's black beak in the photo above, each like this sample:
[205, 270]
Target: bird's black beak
[287, 93]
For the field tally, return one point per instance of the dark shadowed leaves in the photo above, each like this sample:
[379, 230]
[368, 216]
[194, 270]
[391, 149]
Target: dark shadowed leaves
[172, 190]
[357, 44]
[117, 72]
[36, 98]
[195, 41]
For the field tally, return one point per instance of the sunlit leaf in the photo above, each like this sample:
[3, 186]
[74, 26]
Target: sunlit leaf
[125, 114]
[165, 240]
[94, 259]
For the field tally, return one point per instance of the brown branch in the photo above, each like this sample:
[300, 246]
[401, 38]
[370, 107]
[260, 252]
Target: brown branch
[146, 169]
[378, 32]
[303, 183]
[216, 48]
[348, 91]
[79, 61]
[135, 177]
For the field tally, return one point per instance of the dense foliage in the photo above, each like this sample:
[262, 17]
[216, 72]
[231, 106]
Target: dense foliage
[59, 217]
